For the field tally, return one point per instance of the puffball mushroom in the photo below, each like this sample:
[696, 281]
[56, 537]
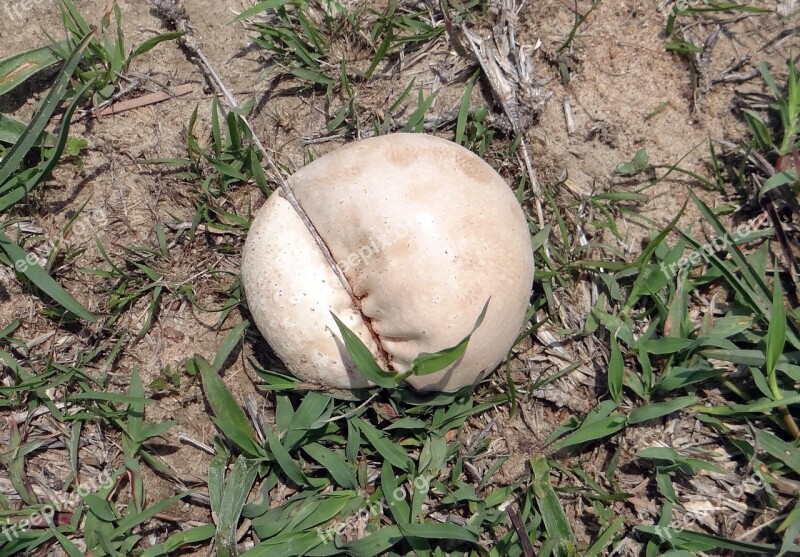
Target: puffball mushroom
[424, 231]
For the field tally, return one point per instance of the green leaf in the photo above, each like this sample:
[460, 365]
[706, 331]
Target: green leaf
[635, 165]
[54, 97]
[398, 506]
[363, 358]
[131, 520]
[778, 449]
[660, 409]
[463, 111]
[553, 515]
[388, 450]
[334, 464]
[758, 129]
[99, 507]
[442, 531]
[776, 336]
[12, 129]
[109, 397]
[594, 431]
[666, 345]
[791, 527]
[699, 542]
[261, 7]
[238, 484]
[285, 461]
[19, 259]
[39, 277]
[374, 544]
[216, 475]
[786, 178]
[190, 536]
[315, 408]
[18, 68]
[673, 456]
[427, 363]
[616, 371]
[682, 45]
[230, 418]
[606, 537]
[152, 42]
[229, 344]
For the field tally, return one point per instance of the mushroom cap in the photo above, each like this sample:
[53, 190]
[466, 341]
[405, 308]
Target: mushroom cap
[425, 233]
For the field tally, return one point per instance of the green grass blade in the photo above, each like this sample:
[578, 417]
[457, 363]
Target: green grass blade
[335, 465]
[315, 408]
[553, 515]
[387, 449]
[39, 277]
[776, 335]
[594, 431]
[443, 531]
[463, 109]
[375, 544]
[230, 418]
[791, 527]
[229, 344]
[616, 371]
[43, 171]
[152, 42]
[660, 409]
[605, 537]
[12, 129]
[395, 497]
[285, 460]
[130, 521]
[363, 358]
[238, 484]
[173, 543]
[756, 284]
[18, 68]
[57, 92]
[698, 541]
[427, 363]
[261, 7]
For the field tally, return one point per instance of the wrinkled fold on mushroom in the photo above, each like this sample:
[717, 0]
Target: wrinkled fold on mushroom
[425, 233]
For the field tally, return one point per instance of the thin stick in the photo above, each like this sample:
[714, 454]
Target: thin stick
[492, 74]
[519, 527]
[176, 15]
[285, 191]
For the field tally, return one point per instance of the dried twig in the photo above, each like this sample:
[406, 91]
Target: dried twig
[510, 75]
[519, 527]
[701, 62]
[144, 100]
[568, 115]
[174, 13]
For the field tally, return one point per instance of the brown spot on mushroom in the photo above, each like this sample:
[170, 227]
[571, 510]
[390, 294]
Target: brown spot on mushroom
[402, 154]
[475, 168]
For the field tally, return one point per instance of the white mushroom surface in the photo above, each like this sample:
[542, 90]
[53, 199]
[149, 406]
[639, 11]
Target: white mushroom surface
[425, 233]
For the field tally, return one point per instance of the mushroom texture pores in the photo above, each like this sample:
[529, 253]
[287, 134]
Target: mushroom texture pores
[424, 231]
